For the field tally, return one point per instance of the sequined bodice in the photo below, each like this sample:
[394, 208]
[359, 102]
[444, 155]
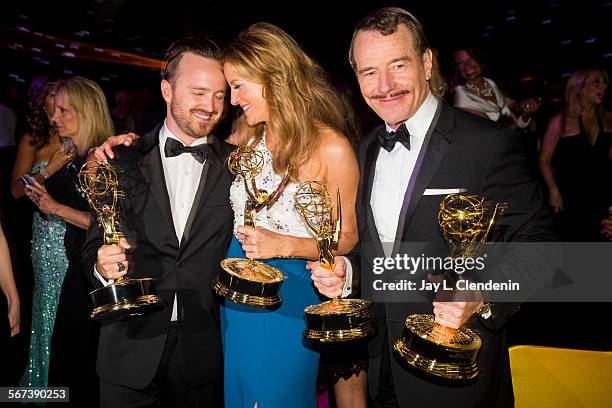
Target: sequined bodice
[282, 217]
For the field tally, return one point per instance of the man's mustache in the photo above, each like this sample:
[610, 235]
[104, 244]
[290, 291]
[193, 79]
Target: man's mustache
[203, 112]
[391, 95]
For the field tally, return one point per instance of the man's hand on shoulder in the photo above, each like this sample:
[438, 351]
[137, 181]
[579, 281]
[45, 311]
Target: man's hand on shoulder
[105, 150]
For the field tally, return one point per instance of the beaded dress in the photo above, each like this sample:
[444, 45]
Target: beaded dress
[49, 264]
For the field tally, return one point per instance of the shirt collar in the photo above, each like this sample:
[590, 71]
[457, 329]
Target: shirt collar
[419, 123]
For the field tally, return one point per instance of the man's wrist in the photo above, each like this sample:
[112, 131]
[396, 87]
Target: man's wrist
[104, 280]
[347, 288]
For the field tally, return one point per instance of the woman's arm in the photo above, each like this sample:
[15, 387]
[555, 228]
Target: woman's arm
[339, 164]
[25, 161]
[342, 171]
[39, 195]
[549, 145]
[73, 216]
[7, 284]
[335, 164]
[23, 164]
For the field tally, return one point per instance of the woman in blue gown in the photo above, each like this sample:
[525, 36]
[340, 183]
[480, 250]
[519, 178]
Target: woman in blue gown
[298, 125]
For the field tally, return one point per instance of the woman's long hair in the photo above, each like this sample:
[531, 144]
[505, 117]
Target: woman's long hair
[298, 94]
[38, 125]
[89, 103]
[575, 85]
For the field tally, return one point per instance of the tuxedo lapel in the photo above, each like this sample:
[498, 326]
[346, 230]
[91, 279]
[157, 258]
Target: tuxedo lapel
[434, 152]
[369, 168]
[210, 175]
[153, 172]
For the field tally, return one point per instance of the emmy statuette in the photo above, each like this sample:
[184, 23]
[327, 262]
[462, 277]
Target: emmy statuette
[125, 297]
[241, 280]
[338, 319]
[441, 351]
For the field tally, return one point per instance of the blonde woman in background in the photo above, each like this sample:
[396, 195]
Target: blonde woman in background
[40, 156]
[82, 120]
[576, 159]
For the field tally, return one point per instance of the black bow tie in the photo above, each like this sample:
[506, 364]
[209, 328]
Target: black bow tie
[174, 148]
[387, 139]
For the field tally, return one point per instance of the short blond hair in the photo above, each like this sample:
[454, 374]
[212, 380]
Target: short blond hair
[88, 101]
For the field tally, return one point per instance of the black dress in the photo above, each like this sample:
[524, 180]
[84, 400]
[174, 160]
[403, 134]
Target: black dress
[75, 337]
[583, 174]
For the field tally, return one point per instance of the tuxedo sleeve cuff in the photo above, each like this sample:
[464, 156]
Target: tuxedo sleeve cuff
[348, 279]
[100, 278]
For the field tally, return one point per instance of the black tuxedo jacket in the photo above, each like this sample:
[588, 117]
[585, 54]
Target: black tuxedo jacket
[464, 151]
[130, 350]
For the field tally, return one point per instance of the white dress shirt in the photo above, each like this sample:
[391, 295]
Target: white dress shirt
[394, 169]
[182, 175]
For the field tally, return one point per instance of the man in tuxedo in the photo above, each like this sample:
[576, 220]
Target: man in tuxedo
[425, 150]
[177, 219]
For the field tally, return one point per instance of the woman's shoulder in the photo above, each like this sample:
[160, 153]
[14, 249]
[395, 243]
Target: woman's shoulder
[460, 89]
[564, 120]
[26, 139]
[557, 119]
[333, 142]
[564, 124]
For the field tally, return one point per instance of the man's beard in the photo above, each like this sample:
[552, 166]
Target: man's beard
[190, 126]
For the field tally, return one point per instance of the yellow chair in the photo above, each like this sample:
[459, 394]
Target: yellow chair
[554, 377]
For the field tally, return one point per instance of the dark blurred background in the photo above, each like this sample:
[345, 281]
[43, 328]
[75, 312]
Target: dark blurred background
[530, 47]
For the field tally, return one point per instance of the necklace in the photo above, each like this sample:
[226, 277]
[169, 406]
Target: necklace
[484, 90]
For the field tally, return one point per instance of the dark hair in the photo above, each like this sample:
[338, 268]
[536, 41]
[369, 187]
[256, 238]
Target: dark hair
[202, 46]
[475, 54]
[37, 122]
[386, 21]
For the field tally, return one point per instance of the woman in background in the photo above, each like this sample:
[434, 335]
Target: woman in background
[481, 96]
[40, 156]
[81, 116]
[576, 159]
